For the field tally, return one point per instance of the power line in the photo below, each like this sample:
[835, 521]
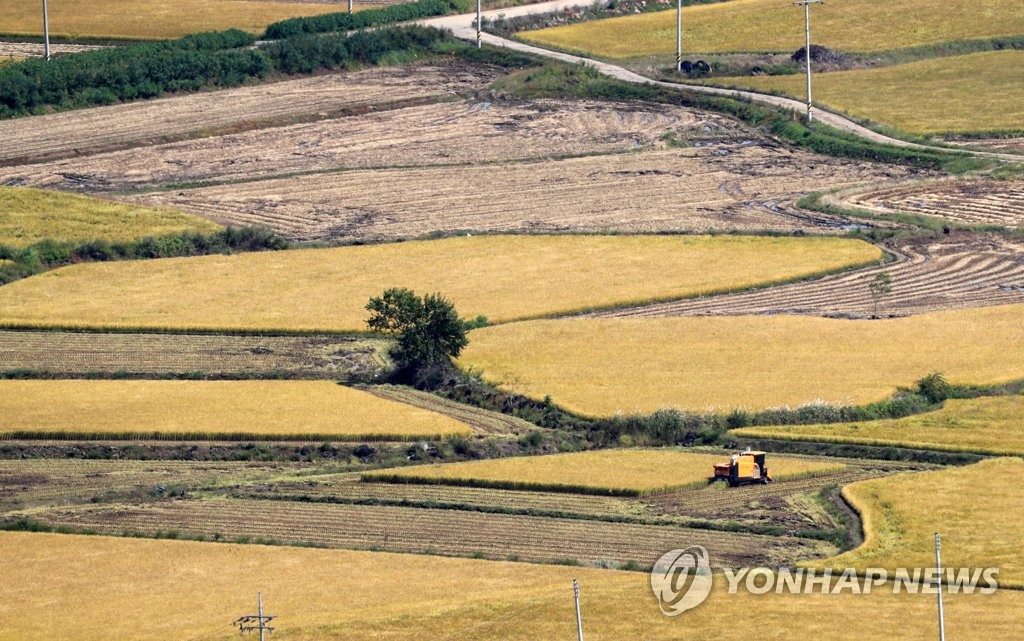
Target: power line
[258, 621]
[807, 47]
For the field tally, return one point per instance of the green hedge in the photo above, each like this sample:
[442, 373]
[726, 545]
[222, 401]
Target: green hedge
[332, 22]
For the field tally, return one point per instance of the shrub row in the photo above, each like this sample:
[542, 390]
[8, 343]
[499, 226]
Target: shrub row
[223, 59]
[48, 254]
[333, 22]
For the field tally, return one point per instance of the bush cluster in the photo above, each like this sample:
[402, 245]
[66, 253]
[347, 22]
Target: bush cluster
[335, 22]
[191, 63]
[48, 254]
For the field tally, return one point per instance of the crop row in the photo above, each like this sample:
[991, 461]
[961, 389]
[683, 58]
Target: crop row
[426, 530]
[964, 202]
[482, 421]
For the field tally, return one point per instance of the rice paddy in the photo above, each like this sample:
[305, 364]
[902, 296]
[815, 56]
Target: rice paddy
[976, 509]
[28, 216]
[765, 26]
[150, 20]
[599, 367]
[501, 277]
[210, 409]
[993, 425]
[150, 588]
[634, 472]
[976, 92]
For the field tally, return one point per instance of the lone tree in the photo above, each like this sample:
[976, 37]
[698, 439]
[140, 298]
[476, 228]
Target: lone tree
[880, 286]
[428, 330]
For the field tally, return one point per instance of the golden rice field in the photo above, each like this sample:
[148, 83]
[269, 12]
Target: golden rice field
[154, 19]
[976, 92]
[622, 472]
[977, 509]
[993, 425]
[30, 215]
[764, 25]
[220, 409]
[605, 366]
[501, 277]
[155, 589]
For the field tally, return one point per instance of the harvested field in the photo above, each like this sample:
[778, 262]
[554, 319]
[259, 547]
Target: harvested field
[449, 133]
[902, 513]
[604, 366]
[36, 49]
[760, 26]
[994, 144]
[151, 20]
[419, 530]
[28, 216]
[282, 410]
[979, 92]
[78, 353]
[500, 277]
[52, 482]
[74, 133]
[937, 273]
[992, 425]
[631, 472]
[156, 586]
[483, 421]
[965, 202]
[739, 185]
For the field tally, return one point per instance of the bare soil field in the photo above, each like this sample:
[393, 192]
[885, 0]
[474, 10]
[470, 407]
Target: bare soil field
[743, 185]
[968, 202]
[995, 144]
[73, 133]
[931, 274]
[37, 50]
[78, 353]
[463, 132]
[448, 532]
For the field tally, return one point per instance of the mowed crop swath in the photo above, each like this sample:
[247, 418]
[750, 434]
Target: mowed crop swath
[762, 25]
[204, 409]
[972, 93]
[605, 366]
[966, 202]
[73, 133]
[501, 277]
[993, 425]
[151, 20]
[30, 215]
[440, 133]
[615, 472]
[153, 586]
[977, 510]
[727, 185]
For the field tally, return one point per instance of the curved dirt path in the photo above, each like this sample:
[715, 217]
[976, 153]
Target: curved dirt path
[463, 27]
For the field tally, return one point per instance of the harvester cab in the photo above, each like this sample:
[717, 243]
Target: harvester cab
[741, 469]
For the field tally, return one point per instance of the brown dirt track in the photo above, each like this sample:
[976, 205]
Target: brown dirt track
[966, 202]
[937, 273]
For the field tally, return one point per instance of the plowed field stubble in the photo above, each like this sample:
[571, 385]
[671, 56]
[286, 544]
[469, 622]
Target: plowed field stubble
[966, 202]
[501, 277]
[604, 366]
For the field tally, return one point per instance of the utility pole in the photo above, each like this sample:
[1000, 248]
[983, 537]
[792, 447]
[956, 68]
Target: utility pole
[350, 7]
[46, 31]
[938, 573]
[259, 621]
[807, 47]
[579, 619]
[679, 36]
[479, 25]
